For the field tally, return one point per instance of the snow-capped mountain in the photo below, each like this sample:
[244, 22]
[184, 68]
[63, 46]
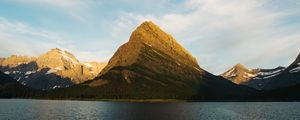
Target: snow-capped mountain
[9, 87]
[57, 59]
[263, 76]
[289, 77]
[268, 73]
[265, 79]
[240, 74]
[54, 69]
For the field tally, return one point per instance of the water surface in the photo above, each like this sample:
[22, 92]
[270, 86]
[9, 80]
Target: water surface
[28, 109]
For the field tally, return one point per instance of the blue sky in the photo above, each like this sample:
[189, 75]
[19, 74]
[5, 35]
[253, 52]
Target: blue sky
[219, 33]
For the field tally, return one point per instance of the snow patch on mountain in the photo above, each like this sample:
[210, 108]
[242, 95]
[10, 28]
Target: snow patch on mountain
[294, 70]
[270, 72]
[249, 75]
[88, 65]
[58, 68]
[29, 72]
[15, 72]
[56, 86]
[51, 71]
[230, 73]
[66, 57]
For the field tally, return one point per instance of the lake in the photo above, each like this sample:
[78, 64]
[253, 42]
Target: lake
[29, 109]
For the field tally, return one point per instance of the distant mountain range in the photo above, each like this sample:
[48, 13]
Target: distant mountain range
[265, 79]
[54, 69]
[151, 65]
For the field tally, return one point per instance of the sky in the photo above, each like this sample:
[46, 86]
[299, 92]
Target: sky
[219, 33]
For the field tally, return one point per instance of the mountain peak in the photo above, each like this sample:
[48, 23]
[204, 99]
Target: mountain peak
[57, 58]
[148, 29]
[55, 50]
[153, 36]
[240, 66]
[239, 74]
[149, 36]
[148, 24]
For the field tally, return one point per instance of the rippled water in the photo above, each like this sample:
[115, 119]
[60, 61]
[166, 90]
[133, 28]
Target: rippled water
[55, 109]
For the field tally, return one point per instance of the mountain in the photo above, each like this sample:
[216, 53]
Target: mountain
[289, 77]
[14, 60]
[255, 78]
[5, 79]
[1, 60]
[263, 77]
[95, 67]
[10, 88]
[66, 65]
[153, 65]
[266, 79]
[239, 74]
[289, 93]
[54, 69]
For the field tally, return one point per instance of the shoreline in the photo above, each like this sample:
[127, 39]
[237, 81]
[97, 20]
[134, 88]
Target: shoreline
[158, 100]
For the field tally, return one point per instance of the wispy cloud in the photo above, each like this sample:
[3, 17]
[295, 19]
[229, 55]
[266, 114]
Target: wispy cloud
[78, 9]
[60, 3]
[22, 39]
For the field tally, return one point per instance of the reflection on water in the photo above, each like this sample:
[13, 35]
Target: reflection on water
[54, 109]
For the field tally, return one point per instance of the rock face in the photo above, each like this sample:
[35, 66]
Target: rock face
[153, 65]
[51, 70]
[150, 36]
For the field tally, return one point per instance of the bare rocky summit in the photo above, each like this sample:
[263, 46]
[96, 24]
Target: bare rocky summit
[240, 74]
[148, 35]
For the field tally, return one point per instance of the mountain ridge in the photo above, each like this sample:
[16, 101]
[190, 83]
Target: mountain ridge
[53, 69]
[270, 79]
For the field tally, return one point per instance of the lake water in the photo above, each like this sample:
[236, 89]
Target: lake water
[28, 109]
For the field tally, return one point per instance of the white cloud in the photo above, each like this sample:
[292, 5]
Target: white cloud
[222, 33]
[77, 9]
[65, 4]
[22, 39]
[61, 3]
[87, 56]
